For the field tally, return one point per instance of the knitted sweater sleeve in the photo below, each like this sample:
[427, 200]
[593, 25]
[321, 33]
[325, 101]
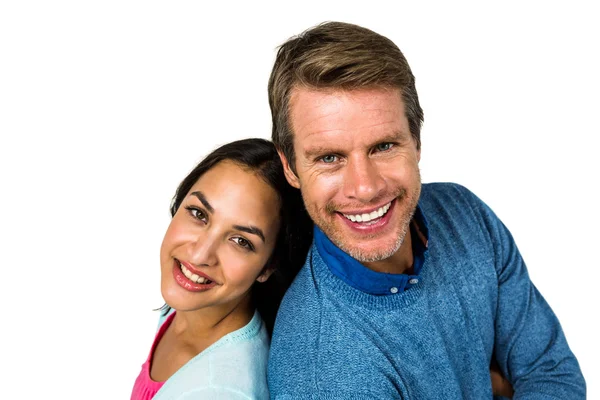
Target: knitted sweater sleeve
[530, 345]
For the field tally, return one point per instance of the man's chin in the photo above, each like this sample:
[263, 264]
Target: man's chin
[370, 252]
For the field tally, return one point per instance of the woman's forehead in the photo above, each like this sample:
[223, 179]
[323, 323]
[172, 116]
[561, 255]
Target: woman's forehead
[237, 193]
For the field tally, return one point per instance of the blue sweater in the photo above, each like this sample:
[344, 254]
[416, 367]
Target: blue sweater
[473, 301]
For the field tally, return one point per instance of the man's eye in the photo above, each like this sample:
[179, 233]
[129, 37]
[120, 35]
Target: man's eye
[383, 146]
[328, 159]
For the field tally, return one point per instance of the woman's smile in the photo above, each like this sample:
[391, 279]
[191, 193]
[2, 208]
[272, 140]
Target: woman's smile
[194, 281]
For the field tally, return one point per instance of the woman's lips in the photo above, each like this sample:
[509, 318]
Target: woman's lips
[199, 283]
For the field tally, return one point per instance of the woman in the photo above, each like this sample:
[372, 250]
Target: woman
[239, 234]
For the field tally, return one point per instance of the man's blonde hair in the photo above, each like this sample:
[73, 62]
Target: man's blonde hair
[337, 55]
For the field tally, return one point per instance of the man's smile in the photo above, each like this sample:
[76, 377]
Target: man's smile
[367, 216]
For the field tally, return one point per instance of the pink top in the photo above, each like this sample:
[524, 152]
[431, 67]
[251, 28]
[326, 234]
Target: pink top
[144, 387]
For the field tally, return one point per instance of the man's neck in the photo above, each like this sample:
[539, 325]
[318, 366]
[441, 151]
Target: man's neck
[401, 262]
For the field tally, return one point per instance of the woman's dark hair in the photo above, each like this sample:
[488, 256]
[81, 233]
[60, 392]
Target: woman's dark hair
[295, 232]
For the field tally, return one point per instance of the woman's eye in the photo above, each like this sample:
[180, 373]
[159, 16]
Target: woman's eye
[197, 213]
[383, 146]
[243, 243]
[329, 158]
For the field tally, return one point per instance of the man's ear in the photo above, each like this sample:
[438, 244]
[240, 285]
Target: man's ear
[289, 174]
[262, 278]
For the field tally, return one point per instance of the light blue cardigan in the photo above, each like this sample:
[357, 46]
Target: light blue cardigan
[234, 367]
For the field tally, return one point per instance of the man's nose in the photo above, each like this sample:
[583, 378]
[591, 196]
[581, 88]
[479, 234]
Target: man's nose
[363, 180]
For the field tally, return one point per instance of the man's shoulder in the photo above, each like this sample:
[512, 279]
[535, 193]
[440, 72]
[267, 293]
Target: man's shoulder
[450, 206]
[448, 196]
[444, 190]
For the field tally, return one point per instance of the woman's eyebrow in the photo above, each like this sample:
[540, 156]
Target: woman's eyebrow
[203, 200]
[251, 229]
[248, 229]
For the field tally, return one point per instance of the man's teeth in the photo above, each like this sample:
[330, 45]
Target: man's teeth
[193, 277]
[369, 217]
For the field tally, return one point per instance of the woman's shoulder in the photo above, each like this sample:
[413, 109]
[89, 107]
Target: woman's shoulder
[236, 364]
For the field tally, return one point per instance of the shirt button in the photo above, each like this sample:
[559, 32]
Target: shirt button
[413, 281]
[394, 290]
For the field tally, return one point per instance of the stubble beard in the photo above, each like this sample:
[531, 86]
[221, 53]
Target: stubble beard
[336, 235]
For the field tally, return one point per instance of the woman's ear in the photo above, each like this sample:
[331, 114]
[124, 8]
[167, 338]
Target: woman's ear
[264, 276]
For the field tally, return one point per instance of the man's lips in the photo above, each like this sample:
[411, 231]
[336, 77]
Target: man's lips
[369, 214]
[364, 210]
[370, 225]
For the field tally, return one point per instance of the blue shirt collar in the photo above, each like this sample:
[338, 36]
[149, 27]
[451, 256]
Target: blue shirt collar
[366, 280]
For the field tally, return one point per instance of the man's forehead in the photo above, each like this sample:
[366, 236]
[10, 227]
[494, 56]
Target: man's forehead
[310, 105]
[321, 118]
[313, 104]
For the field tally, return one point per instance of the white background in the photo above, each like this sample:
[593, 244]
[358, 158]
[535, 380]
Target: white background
[106, 106]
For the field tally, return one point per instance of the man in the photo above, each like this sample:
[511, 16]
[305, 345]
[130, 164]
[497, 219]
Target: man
[410, 290]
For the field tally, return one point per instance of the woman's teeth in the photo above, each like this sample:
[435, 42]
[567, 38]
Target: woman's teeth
[193, 277]
[371, 216]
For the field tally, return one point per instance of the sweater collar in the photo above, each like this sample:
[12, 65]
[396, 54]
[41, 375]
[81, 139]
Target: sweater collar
[366, 280]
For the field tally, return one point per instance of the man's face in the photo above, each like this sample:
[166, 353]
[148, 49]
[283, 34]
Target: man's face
[357, 168]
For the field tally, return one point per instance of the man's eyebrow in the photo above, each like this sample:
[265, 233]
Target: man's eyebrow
[315, 151]
[318, 151]
[394, 136]
[251, 229]
[203, 200]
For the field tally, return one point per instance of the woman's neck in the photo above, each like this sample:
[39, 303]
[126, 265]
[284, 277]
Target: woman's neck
[211, 323]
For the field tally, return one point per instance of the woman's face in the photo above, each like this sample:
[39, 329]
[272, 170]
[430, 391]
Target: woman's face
[219, 240]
